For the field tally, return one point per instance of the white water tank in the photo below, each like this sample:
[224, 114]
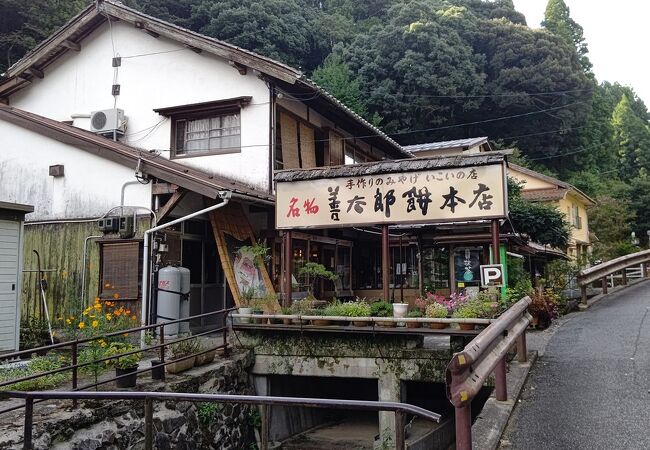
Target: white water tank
[184, 327]
[169, 303]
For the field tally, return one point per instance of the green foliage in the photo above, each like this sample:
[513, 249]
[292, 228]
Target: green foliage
[335, 76]
[349, 309]
[39, 364]
[611, 220]
[184, 348]
[436, 310]
[207, 411]
[316, 271]
[558, 21]
[33, 333]
[542, 223]
[122, 362]
[476, 308]
[415, 313]
[303, 306]
[381, 309]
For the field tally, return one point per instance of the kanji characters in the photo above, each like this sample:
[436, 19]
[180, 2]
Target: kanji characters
[385, 201]
[452, 200]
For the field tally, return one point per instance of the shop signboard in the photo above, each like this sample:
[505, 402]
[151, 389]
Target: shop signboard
[437, 195]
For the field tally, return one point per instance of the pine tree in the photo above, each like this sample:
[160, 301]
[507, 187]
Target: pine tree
[557, 20]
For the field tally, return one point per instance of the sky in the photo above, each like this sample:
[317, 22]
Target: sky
[617, 34]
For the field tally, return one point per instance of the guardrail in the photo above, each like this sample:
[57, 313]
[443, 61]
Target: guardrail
[602, 271]
[400, 409]
[74, 346]
[469, 368]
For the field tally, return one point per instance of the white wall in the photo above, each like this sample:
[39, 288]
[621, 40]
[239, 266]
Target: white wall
[79, 83]
[91, 185]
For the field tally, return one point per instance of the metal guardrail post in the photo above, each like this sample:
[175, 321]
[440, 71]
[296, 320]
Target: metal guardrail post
[29, 423]
[225, 335]
[604, 285]
[500, 381]
[522, 350]
[583, 294]
[148, 423]
[464, 427]
[75, 350]
[265, 419]
[400, 430]
[161, 338]
[624, 277]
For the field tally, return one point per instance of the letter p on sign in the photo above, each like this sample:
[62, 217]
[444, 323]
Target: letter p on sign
[492, 275]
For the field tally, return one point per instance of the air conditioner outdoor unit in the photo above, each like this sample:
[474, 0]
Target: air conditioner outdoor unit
[107, 121]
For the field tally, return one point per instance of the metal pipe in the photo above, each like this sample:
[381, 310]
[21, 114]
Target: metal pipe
[225, 198]
[83, 272]
[385, 263]
[127, 183]
[500, 381]
[495, 241]
[464, 428]
[148, 423]
[288, 263]
[29, 422]
[522, 351]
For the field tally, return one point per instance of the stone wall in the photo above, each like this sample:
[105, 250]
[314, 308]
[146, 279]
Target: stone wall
[177, 425]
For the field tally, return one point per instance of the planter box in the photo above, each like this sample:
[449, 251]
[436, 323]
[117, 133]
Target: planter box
[205, 358]
[180, 366]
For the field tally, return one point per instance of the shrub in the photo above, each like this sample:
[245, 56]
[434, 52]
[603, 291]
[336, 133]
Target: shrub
[182, 349]
[39, 364]
[414, 313]
[122, 362]
[354, 309]
[381, 308]
[436, 310]
[302, 307]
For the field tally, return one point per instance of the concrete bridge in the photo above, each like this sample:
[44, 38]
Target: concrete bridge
[590, 388]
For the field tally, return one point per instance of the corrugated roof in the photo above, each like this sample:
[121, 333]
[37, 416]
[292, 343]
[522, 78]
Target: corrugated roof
[541, 195]
[390, 166]
[150, 163]
[444, 145]
[91, 17]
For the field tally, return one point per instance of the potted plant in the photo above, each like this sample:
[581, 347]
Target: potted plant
[382, 308]
[301, 308]
[416, 313]
[358, 308]
[286, 311]
[474, 309]
[320, 322]
[125, 366]
[181, 354]
[245, 300]
[437, 311]
[157, 368]
[316, 272]
[399, 311]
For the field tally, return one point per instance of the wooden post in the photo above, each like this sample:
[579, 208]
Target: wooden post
[288, 260]
[385, 262]
[495, 241]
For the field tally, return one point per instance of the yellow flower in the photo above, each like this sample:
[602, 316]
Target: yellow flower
[98, 306]
[102, 343]
[127, 312]
[116, 296]
[81, 325]
[95, 323]
[68, 321]
[134, 318]
[126, 334]
[109, 316]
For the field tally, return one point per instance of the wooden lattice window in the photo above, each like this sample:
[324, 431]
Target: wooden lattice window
[121, 267]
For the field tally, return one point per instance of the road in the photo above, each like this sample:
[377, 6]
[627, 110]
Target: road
[591, 387]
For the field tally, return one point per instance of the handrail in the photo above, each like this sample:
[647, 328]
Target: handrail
[591, 274]
[469, 368]
[603, 270]
[400, 409]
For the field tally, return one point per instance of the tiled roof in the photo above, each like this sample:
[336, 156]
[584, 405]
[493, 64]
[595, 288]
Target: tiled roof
[443, 145]
[542, 195]
[389, 166]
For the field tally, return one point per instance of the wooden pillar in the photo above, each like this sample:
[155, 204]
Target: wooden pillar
[385, 262]
[288, 263]
[495, 242]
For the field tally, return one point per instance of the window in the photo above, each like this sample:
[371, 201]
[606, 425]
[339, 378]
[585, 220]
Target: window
[354, 156]
[209, 134]
[206, 128]
[296, 143]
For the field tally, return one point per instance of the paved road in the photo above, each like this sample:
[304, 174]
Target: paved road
[591, 388]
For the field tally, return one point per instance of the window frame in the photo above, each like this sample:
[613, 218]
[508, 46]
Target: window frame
[198, 111]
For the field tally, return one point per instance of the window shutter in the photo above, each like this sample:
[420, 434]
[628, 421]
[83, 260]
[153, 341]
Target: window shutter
[120, 274]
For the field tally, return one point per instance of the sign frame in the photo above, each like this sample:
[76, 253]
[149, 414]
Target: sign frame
[485, 277]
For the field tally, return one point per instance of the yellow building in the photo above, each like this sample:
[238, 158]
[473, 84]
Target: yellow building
[567, 198]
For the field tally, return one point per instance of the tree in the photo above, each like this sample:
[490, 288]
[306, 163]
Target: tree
[557, 20]
[541, 222]
[610, 220]
[335, 76]
[632, 139]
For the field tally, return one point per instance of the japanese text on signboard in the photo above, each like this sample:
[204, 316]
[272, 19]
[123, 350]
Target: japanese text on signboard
[428, 196]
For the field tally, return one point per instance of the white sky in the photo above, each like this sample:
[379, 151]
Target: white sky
[617, 33]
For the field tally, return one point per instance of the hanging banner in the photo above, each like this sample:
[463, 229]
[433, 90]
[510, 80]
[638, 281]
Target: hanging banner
[441, 195]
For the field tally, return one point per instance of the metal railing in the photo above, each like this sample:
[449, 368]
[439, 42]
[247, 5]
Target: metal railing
[400, 409]
[161, 346]
[604, 270]
[469, 368]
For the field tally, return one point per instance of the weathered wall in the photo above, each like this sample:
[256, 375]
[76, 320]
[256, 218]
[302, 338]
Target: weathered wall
[90, 187]
[177, 425]
[167, 74]
[60, 246]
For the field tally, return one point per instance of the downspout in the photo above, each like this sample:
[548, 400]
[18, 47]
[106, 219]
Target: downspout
[225, 197]
[272, 137]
